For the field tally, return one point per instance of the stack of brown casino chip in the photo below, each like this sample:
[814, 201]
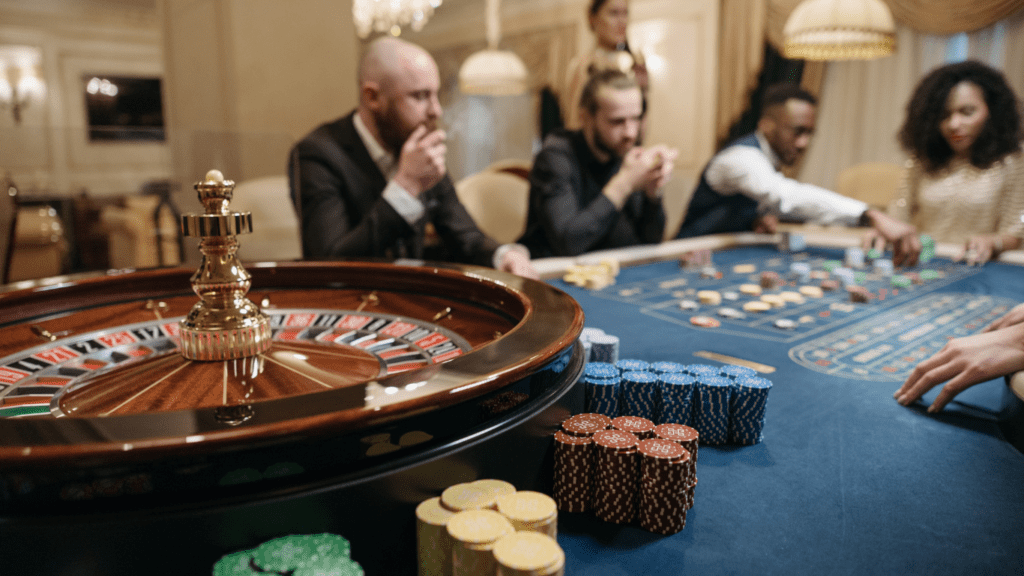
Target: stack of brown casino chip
[615, 476]
[664, 476]
[642, 428]
[689, 439]
[584, 425]
[573, 460]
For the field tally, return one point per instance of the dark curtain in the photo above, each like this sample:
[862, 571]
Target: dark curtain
[776, 69]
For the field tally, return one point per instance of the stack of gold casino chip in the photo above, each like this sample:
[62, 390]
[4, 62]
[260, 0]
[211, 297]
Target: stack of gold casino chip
[530, 511]
[529, 554]
[473, 534]
[476, 495]
[593, 277]
[433, 544]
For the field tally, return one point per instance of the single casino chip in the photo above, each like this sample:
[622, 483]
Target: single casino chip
[731, 313]
[731, 295]
[709, 272]
[812, 291]
[794, 297]
[688, 305]
[770, 279]
[859, 294]
[819, 275]
[744, 269]
[830, 285]
[774, 300]
[750, 289]
[785, 324]
[757, 306]
[705, 321]
[712, 297]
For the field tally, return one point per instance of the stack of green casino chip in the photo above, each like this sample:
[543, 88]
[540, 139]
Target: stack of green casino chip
[927, 249]
[830, 265]
[900, 281]
[298, 555]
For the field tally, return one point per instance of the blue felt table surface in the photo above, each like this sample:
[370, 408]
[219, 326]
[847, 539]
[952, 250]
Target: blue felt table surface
[847, 481]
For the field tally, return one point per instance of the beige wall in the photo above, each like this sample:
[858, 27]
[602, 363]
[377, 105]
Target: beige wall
[48, 152]
[246, 78]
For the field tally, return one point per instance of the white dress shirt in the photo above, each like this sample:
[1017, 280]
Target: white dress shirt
[755, 174]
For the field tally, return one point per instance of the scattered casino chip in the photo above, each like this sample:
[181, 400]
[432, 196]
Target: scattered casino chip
[794, 297]
[709, 272]
[731, 295]
[750, 289]
[757, 306]
[744, 269]
[859, 294]
[711, 297]
[830, 285]
[688, 305]
[812, 291]
[770, 279]
[774, 300]
[705, 321]
[731, 313]
[785, 324]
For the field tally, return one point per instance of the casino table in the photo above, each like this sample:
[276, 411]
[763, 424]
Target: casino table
[846, 480]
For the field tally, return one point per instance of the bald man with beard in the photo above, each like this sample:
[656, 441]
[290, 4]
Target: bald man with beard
[368, 183]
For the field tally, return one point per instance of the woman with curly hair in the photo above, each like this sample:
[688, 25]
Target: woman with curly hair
[965, 179]
[965, 182]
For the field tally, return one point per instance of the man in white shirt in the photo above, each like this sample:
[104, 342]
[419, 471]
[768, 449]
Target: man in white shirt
[367, 184]
[743, 189]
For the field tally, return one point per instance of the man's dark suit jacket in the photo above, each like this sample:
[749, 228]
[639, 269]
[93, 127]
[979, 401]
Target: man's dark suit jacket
[336, 188]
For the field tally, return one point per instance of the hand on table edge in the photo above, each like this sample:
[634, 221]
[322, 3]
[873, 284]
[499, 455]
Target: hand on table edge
[964, 362]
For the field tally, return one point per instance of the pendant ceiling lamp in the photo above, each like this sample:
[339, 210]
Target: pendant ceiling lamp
[493, 72]
[839, 30]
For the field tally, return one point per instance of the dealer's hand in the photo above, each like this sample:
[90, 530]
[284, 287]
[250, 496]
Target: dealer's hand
[964, 362]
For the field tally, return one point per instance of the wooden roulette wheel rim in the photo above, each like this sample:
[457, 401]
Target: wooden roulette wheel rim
[541, 324]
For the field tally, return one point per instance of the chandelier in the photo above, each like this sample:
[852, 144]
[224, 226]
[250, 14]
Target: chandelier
[839, 30]
[391, 15]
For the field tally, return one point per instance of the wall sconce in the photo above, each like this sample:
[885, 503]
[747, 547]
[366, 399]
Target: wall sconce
[20, 83]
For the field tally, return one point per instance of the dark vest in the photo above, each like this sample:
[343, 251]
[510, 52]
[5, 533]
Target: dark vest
[711, 213]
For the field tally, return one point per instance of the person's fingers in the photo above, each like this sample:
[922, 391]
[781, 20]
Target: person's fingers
[928, 380]
[960, 382]
[417, 134]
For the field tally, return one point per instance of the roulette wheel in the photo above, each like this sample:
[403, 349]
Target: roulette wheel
[122, 396]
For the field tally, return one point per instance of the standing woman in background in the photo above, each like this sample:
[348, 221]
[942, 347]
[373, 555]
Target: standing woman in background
[608, 21]
[964, 182]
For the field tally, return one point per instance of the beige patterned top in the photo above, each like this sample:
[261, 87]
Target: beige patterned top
[961, 200]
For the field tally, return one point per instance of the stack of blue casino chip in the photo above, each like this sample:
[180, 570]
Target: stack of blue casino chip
[699, 371]
[632, 365]
[746, 409]
[712, 409]
[732, 371]
[676, 398]
[662, 368]
[604, 348]
[601, 388]
[640, 395]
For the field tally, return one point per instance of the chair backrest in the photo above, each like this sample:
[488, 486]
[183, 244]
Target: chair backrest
[276, 233]
[497, 201]
[875, 183]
